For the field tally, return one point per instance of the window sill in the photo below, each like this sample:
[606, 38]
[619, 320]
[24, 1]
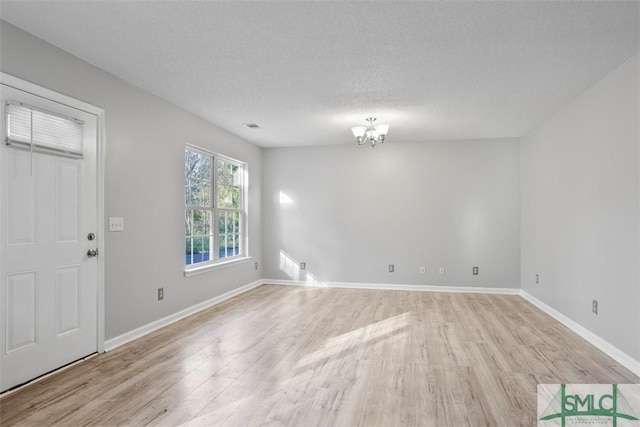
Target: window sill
[217, 266]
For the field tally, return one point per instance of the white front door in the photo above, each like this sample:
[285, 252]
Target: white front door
[48, 294]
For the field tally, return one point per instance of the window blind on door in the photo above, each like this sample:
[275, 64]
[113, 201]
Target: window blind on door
[40, 130]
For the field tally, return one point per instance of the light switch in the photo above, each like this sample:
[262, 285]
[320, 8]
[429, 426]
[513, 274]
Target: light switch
[116, 223]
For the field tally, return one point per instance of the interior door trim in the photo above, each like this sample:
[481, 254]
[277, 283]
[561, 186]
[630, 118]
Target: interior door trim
[25, 86]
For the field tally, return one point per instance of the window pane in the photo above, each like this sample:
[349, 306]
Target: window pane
[224, 175]
[199, 222]
[197, 177]
[222, 248]
[205, 170]
[235, 173]
[222, 225]
[188, 251]
[198, 236]
[206, 223]
[224, 197]
[198, 192]
[205, 250]
[188, 220]
[228, 197]
[236, 246]
[235, 195]
[200, 249]
[204, 197]
[229, 223]
[229, 174]
[228, 183]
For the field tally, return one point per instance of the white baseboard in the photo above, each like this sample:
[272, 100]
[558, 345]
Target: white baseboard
[155, 325]
[391, 287]
[612, 351]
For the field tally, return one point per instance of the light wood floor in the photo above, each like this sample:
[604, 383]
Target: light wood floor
[332, 357]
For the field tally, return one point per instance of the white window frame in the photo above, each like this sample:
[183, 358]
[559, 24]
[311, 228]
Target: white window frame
[215, 262]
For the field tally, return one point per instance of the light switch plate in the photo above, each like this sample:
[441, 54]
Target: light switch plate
[116, 223]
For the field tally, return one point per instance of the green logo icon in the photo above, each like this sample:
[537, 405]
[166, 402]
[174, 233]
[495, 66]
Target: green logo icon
[612, 405]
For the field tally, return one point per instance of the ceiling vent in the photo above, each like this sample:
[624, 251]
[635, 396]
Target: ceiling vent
[251, 125]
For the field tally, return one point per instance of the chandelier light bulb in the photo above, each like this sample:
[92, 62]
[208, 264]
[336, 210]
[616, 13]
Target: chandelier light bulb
[382, 129]
[358, 131]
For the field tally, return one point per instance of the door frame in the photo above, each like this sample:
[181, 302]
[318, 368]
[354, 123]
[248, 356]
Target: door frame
[25, 86]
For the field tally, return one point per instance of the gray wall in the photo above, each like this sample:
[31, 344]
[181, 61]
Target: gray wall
[350, 211]
[580, 218]
[144, 183]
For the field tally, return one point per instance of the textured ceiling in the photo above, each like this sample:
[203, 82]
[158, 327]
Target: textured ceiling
[308, 71]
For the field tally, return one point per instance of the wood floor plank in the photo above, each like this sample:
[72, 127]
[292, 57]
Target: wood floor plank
[295, 356]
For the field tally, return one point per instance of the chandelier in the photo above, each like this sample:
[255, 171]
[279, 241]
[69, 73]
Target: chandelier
[372, 134]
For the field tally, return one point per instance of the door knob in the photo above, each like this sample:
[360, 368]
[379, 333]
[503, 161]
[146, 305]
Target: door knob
[92, 252]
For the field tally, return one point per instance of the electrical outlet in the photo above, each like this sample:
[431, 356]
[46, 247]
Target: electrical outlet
[423, 270]
[594, 306]
[160, 294]
[537, 279]
[116, 223]
[303, 266]
[475, 271]
[256, 265]
[392, 268]
[441, 271]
